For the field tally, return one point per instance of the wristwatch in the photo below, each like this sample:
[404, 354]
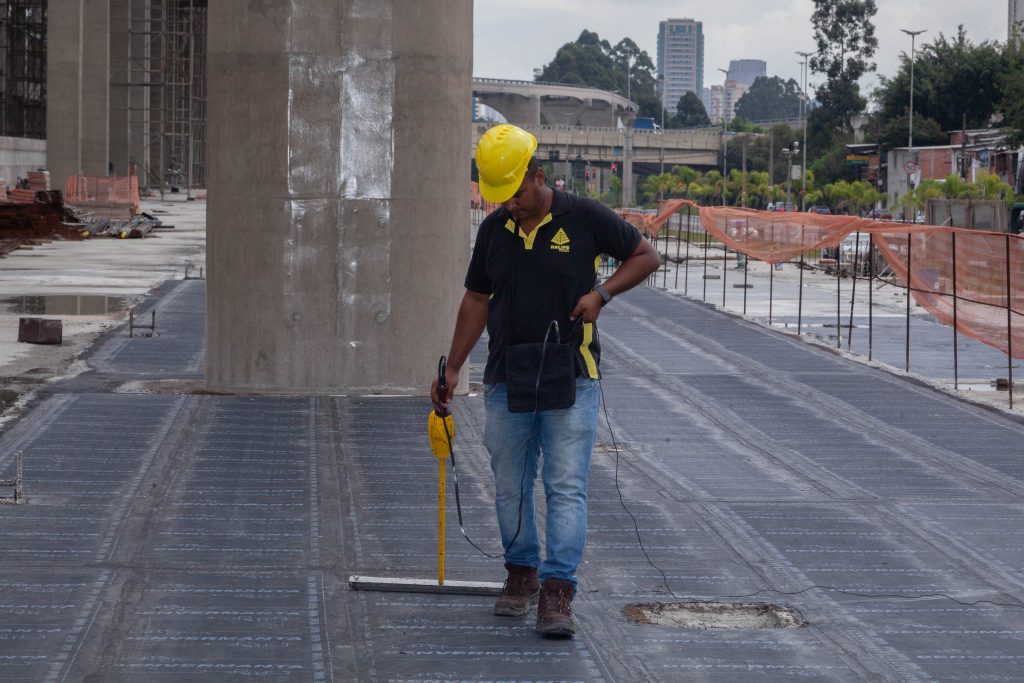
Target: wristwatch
[605, 296]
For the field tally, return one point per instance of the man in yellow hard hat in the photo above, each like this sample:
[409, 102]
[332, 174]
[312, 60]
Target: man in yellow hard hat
[532, 282]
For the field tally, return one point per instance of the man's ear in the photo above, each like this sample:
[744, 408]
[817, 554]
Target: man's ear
[538, 175]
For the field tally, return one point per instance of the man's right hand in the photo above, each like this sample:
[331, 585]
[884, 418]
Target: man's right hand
[441, 402]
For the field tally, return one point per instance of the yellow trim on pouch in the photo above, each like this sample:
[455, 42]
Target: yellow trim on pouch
[588, 358]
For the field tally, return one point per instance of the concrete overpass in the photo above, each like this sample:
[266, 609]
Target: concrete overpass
[599, 146]
[531, 103]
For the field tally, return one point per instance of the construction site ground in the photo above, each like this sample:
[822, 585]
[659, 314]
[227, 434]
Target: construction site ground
[174, 535]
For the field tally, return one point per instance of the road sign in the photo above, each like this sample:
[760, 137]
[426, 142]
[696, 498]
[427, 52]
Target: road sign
[910, 167]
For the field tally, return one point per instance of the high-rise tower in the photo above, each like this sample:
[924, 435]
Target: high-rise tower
[680, 60]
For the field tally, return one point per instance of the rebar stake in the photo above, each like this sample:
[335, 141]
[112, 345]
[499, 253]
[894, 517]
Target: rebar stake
[19, 496]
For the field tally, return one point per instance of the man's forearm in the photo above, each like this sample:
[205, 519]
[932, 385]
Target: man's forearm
[469, 325]
[634, 270]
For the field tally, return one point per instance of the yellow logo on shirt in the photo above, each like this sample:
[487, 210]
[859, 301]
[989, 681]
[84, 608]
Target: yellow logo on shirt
[560, 242]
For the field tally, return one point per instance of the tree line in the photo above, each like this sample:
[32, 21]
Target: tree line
[957, 83]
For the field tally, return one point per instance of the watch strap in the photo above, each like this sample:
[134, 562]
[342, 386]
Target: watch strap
[605, 296]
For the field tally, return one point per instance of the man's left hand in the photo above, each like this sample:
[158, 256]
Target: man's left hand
[589, 306]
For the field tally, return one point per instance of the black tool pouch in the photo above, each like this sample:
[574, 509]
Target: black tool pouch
[542, 376]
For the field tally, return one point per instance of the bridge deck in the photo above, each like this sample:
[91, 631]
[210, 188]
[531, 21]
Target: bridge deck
[197, 537]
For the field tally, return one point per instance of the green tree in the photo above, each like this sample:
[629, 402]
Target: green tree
[952, 79]
[926, 132]
[656, 186]
[846, 42]
[690, 112]
[594, 62]
[770, 98]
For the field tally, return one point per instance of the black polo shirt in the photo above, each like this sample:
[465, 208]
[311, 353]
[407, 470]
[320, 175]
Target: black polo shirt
[536, 278]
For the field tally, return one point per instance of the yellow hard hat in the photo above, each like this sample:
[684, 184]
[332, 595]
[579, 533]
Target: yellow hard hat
[501, 158]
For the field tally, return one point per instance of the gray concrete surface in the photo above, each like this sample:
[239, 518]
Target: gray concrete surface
[333, 238]
[18, 156]
[192, 537]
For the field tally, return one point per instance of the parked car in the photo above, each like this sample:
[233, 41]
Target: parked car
[823, 210]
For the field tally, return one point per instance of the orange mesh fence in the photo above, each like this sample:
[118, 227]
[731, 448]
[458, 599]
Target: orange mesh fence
[986, 304]
[115, 190]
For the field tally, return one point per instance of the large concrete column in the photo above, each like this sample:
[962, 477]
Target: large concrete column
[95, 87]
[64, 90]
[78, 88]
[337, 233]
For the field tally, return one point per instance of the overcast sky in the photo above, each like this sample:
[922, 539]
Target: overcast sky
[512, 37]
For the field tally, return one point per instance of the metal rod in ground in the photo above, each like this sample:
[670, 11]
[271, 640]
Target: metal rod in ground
[725, 270]
[1009, 323]
[956, 351]
[871, 294]
[771, 280]
[704, 295]
[800, 293]
[131, 324]
[440, 521]
[853, 292]
[664, 277]
[910, 288]
[18, 494]
[746, 261]
[686, 271]
[839, 301]
[679, 237]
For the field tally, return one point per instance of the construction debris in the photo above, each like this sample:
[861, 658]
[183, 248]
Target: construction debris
[46, 217]
[40, 331]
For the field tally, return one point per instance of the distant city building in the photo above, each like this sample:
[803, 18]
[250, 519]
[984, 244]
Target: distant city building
[713, 105]
[746, 71]
[722, 99]
[680, 60]
[1016, 20]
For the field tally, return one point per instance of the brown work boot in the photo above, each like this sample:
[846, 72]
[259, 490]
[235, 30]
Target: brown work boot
[554, 611]
[520, 587]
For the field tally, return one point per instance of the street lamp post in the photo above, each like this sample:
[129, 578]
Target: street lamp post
[725, 140]
[661, 78]
[910, 114]
[803, 120]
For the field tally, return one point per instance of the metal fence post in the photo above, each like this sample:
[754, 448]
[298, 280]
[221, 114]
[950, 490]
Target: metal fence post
[1009, 323]
[686, 272]
[910, 288]
[871, 294]
[956, 358]
[800, 293]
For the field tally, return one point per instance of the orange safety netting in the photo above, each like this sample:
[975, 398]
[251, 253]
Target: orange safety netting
[115, 190]
[988, 269]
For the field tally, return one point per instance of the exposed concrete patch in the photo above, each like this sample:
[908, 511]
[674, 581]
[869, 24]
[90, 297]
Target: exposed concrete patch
[705, 615]
[175, 387]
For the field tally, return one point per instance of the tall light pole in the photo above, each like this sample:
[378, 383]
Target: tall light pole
[725, 140]
[803, 120]
[661, 77]
[910, 117]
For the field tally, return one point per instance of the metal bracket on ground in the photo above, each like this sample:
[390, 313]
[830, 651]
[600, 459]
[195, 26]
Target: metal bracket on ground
[201, 276]
[19, 494]
[132, 325]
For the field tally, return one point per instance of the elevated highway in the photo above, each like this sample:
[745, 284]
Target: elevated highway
[526, 103]
[600, 146]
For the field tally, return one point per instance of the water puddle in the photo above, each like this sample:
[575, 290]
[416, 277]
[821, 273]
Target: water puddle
[64, 304]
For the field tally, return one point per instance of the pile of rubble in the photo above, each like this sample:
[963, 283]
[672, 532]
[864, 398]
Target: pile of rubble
[47, 218]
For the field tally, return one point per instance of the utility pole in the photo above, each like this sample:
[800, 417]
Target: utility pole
[910, 114]
[803, 120]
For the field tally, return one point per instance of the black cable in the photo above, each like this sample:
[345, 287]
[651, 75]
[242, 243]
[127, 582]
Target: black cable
[522, 483]
[664, 577]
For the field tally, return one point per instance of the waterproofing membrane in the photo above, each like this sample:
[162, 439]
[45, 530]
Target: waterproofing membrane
[210, 537]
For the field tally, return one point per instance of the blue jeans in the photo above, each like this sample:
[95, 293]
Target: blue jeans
[515, 442]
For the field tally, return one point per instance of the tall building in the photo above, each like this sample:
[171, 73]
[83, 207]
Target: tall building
[680, 60]
[746, 71]
[1016, 20]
